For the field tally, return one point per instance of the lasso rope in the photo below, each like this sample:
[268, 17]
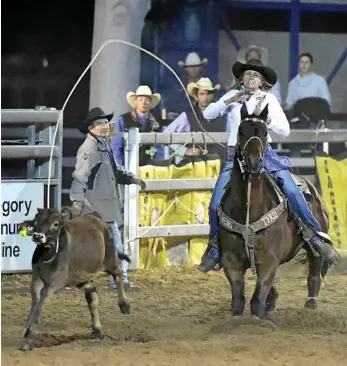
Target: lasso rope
[106, 43]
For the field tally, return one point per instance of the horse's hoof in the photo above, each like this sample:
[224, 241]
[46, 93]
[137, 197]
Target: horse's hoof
[27, 346]
[311, 304]
[124, 307]
[236, 311]
[97, 335]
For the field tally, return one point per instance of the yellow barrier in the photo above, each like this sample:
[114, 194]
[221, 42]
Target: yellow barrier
[194, 209]
[332, 175]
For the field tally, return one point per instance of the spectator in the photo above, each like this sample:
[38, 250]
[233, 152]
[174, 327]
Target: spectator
[259, 53]
[306, 84]
[141, 102]
[203, 93]
[193, 68]
[95, 179]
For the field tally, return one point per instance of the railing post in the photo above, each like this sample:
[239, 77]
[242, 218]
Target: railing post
[131, 199]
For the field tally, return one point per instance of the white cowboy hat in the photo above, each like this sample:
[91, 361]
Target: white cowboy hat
[203, 83]
[264, 56]
[193, 59]
[143, 90]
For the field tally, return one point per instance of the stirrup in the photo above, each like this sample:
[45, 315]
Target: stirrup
[325, 237]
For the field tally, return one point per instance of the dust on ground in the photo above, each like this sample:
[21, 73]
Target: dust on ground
[180, 317]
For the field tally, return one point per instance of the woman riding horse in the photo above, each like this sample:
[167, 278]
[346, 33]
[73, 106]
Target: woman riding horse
[256, 80]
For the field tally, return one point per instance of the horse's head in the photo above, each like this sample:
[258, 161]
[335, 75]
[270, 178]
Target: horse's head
[252, 140]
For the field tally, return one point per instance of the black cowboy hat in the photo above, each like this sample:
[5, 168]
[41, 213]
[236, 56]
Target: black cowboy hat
[268, 73]
[93, 115]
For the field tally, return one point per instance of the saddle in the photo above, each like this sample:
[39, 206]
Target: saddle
[299, 181]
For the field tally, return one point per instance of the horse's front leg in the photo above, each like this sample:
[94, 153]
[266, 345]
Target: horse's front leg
[313, 280]
[236, 277]
[265, 282]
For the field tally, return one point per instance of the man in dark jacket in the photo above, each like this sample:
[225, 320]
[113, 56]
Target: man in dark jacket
[95, 179]
[203, 93]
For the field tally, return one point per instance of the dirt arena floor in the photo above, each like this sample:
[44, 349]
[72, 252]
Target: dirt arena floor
[180, 317]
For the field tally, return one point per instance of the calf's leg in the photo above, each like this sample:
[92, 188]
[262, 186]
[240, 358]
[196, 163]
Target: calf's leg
[123, 304]
[112, 266]
[92, 299]
[39, 293]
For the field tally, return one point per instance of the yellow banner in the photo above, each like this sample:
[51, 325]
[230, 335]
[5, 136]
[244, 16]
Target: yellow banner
[154, 252]
[333, 181]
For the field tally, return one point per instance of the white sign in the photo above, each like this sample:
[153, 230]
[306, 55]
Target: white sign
[19, 202]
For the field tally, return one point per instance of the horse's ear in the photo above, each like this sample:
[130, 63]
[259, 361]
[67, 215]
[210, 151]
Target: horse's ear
[264, 113]
[244, 112]
[39, 210]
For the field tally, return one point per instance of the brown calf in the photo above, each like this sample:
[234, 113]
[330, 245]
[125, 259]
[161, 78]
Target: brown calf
[68, 253]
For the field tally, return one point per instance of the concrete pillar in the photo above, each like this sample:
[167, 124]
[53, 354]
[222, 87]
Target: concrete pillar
[117, 69]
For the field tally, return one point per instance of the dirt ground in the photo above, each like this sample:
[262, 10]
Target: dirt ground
[180, 317]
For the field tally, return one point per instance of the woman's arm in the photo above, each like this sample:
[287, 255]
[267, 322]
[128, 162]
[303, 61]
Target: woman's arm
[278, 120]
[219, 108]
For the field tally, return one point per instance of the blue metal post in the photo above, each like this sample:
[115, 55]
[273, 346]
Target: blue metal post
[337, 66]
[294, 38]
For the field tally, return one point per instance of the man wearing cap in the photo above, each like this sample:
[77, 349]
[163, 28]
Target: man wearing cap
[95, 179]
[142, 102]
[203, 93]
[259, 53]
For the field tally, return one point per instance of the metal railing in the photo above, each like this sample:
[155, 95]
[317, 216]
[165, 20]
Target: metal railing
[28, 134]
[133, 139]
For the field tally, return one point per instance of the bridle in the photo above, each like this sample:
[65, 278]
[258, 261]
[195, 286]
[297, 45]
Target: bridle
[242, 150]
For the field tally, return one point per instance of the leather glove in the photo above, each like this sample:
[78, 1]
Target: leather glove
[76, 208]
[139, 182]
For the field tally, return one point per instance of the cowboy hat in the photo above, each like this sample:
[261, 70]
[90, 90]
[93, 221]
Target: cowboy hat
[264, 56]
[203, 83]
[93, 115]
[143, 90]
[193, 59]
[268, 73]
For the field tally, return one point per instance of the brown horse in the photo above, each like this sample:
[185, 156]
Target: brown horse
[257, 230]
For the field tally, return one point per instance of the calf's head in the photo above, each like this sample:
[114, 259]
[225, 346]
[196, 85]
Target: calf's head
[45, 227]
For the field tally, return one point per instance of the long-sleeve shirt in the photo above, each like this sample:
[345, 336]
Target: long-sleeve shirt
[277, 119]
[308, 86]
[180, 124]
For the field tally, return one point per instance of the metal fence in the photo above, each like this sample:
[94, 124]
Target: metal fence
[27, 134]
[133, 139]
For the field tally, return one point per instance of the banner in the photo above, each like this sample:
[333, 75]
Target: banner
[19, 202]
[332, 174]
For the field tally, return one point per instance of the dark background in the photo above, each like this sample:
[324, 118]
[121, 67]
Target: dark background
[61, 33]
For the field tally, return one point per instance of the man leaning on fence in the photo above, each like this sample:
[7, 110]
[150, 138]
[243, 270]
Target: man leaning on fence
[142, 102]
[95, 179]
[203, 93]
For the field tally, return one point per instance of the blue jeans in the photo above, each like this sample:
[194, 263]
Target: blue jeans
[296, 199]
[119, 248]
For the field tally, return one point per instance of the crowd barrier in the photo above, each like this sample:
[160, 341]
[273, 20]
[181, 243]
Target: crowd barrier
[149, 244]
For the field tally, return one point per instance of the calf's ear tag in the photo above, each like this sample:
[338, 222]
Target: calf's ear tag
[23, 232]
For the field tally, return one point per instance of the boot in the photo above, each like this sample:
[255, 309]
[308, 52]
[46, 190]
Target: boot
[322, 244]
[210, 259]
